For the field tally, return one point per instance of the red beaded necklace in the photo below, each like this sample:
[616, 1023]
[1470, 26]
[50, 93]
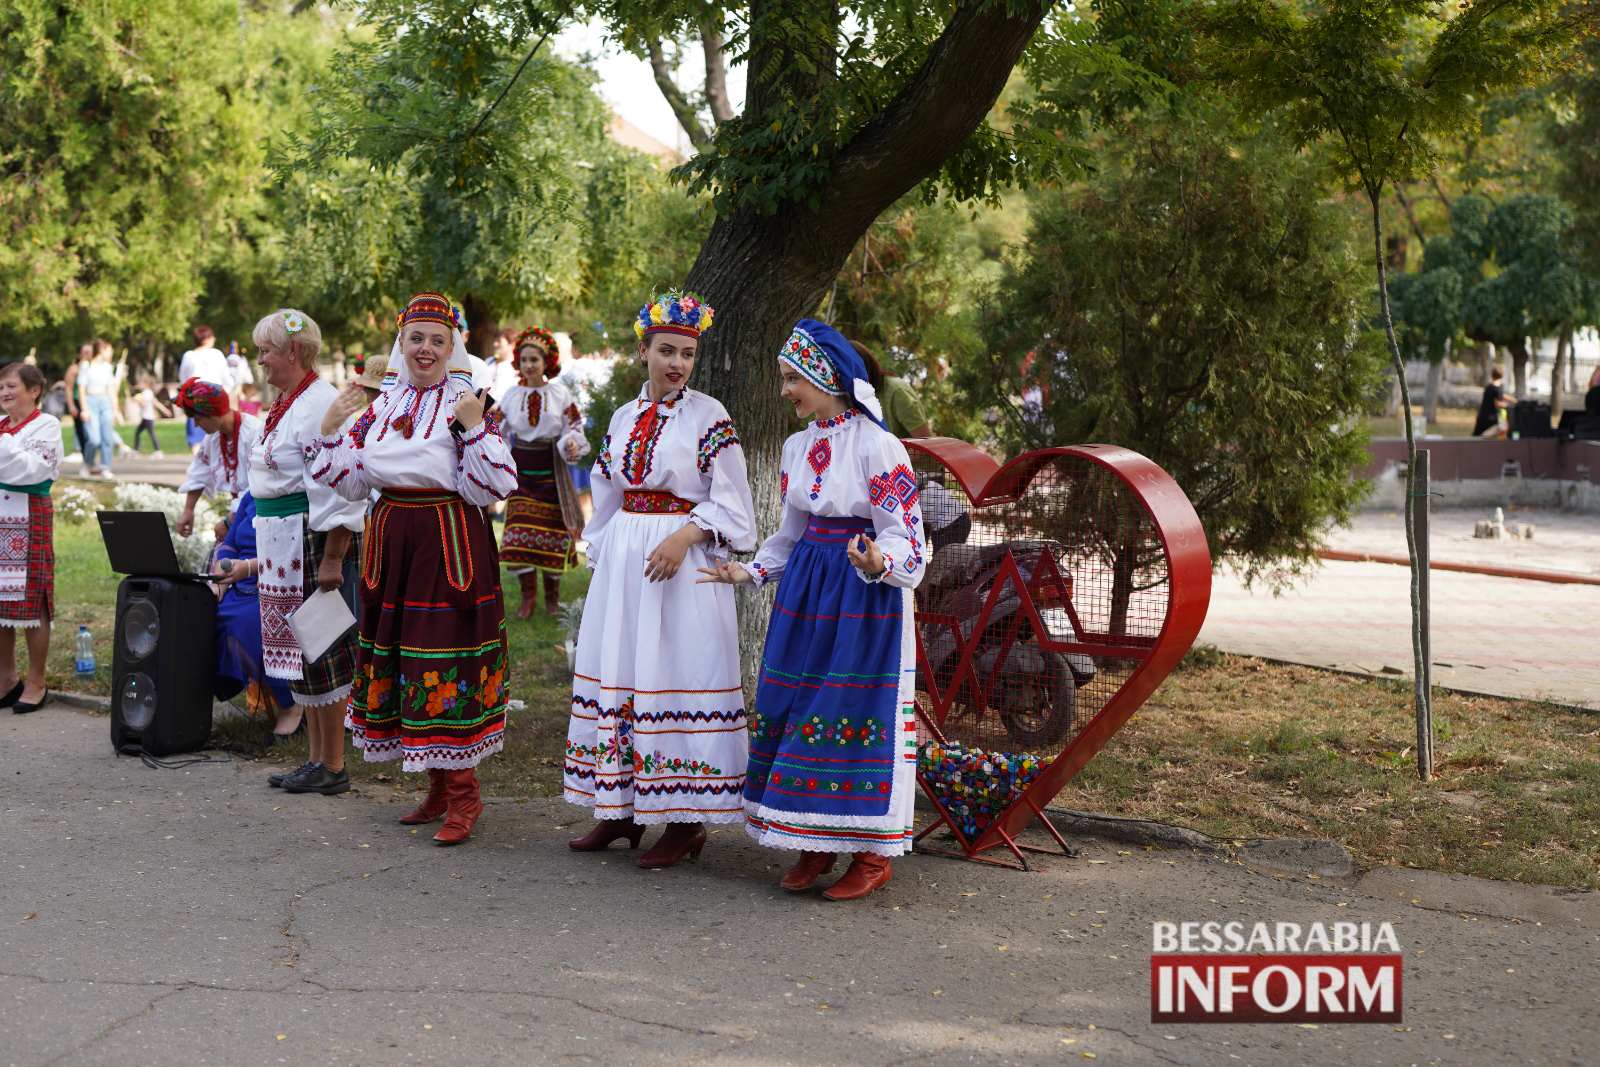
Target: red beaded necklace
[285, 401]
[230, 450]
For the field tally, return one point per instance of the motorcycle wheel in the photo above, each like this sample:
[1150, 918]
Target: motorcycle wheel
[1037, 707]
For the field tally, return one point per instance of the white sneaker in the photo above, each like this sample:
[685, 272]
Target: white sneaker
[109, 476]
[157, 454]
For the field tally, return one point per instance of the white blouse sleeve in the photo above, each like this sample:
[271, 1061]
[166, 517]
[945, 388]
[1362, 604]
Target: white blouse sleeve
[896, 511]
[199, 475]
[572, 435]
[29, 461]
[729, 516]
[339, 467]
[773, 555]
[485, 473]
[330, 506]
[607, 499]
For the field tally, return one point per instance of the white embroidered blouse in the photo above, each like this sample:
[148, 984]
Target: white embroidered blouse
[207, 471]
[373, 452]
[280, 462]
[848, 466]
[33, 453]
[554, 416]
[692, 452]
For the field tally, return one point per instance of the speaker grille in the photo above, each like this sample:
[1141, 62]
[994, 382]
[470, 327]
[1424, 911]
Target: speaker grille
[138, 703]
[141, 629]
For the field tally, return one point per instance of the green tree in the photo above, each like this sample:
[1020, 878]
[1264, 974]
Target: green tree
[447, 150]
[1200, 302]
[125, 152]
[1379, 82]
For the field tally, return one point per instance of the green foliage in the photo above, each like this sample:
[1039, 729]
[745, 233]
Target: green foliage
[446, 149]
[1198, 302]
[126, 150]
[1576, 133]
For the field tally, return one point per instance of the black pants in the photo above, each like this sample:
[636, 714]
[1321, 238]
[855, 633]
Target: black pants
[146, 426]
[82, 436]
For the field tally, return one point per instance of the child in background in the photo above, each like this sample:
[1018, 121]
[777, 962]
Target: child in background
[145, 398]
[249, 399]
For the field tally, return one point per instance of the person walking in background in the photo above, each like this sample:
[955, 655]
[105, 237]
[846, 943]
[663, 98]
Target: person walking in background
[145, 398]
[506, 374]
[206, 362]
[98, 383]
[238, 369]
[902, 411]
[80, 427]
[1495, 400]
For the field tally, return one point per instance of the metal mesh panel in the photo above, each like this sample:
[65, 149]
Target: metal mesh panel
[1035, 609]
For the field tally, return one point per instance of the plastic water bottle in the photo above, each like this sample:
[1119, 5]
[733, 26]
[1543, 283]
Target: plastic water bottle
[83, 658]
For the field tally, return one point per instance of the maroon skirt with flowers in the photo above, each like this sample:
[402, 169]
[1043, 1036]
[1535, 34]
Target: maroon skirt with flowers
[38, 603]
[431, 670]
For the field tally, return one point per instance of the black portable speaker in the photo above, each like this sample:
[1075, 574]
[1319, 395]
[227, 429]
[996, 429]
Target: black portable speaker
[163, 666]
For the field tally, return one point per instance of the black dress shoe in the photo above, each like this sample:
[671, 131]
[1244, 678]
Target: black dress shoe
[13, 696]
[276, 780]
[317, 779]
[23, 707]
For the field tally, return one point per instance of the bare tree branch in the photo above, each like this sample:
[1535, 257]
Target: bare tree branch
[1411, 215]
[716, 71]
[679, 103]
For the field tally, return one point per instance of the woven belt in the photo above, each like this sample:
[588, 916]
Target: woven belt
[276, 507]
[31, 489]
[655, 502]
[830, 531]
[420, 498]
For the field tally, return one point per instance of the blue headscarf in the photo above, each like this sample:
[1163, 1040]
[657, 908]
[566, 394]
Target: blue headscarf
[828, 361]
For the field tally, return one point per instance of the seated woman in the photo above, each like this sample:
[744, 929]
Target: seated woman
[239, 614]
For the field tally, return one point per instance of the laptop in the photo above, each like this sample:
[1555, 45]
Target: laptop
[137, 542]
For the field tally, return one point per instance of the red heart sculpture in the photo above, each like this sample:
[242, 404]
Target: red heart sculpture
[1061, 589]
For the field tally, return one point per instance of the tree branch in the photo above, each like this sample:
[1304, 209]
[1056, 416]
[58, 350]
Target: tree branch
[716, 71]
[1411, 216]
[680, 105]
[936, 110]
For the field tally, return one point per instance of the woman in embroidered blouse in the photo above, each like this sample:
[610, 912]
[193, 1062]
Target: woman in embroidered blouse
[657, 733]
[30, 461]
[545, 430]
[431, 667]
[215, 469]
[308, 539]
[833, 742]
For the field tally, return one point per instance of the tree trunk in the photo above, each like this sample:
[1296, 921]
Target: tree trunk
[1430, 393]
[764, 271]
[1420, 687]
[1558, 374]
[1485, 360]
[1519, 367]
[482, 325]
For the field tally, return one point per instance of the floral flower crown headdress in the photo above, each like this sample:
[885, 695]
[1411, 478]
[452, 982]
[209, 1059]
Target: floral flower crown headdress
[542, 338]
[674, 312]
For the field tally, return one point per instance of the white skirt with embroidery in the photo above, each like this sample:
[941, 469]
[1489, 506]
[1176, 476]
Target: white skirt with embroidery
[657, 732]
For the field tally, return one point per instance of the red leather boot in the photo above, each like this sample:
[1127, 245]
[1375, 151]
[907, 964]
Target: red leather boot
[433, 804]
[868, 872]
[552, 594]
[526, 580]
[681, 840]
[464, 807]
[806, 870]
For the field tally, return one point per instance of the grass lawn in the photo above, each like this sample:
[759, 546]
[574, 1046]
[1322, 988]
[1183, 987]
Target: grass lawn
[1232, 746]
[169, 434]
[1448, 422]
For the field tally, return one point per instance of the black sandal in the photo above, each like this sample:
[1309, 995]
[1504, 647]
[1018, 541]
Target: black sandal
[13, 696]
[22, 708]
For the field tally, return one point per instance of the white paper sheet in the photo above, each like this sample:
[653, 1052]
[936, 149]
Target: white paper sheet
[321, 620]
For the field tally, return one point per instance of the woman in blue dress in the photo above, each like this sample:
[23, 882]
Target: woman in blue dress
[239, 615]
[833, 741]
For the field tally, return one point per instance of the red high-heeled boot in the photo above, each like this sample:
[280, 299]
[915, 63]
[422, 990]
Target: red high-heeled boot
[868, 872]
[552, 595]
[606, 831]
[681, 840]
[432, 806]
[464, 805]
[806, 870]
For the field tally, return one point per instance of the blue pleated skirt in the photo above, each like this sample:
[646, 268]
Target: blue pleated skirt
[833, 737]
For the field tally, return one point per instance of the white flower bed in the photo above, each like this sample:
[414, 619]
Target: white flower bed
[193, 551]
[74, 505]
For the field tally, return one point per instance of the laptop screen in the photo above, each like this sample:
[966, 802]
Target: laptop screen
[137, 542]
